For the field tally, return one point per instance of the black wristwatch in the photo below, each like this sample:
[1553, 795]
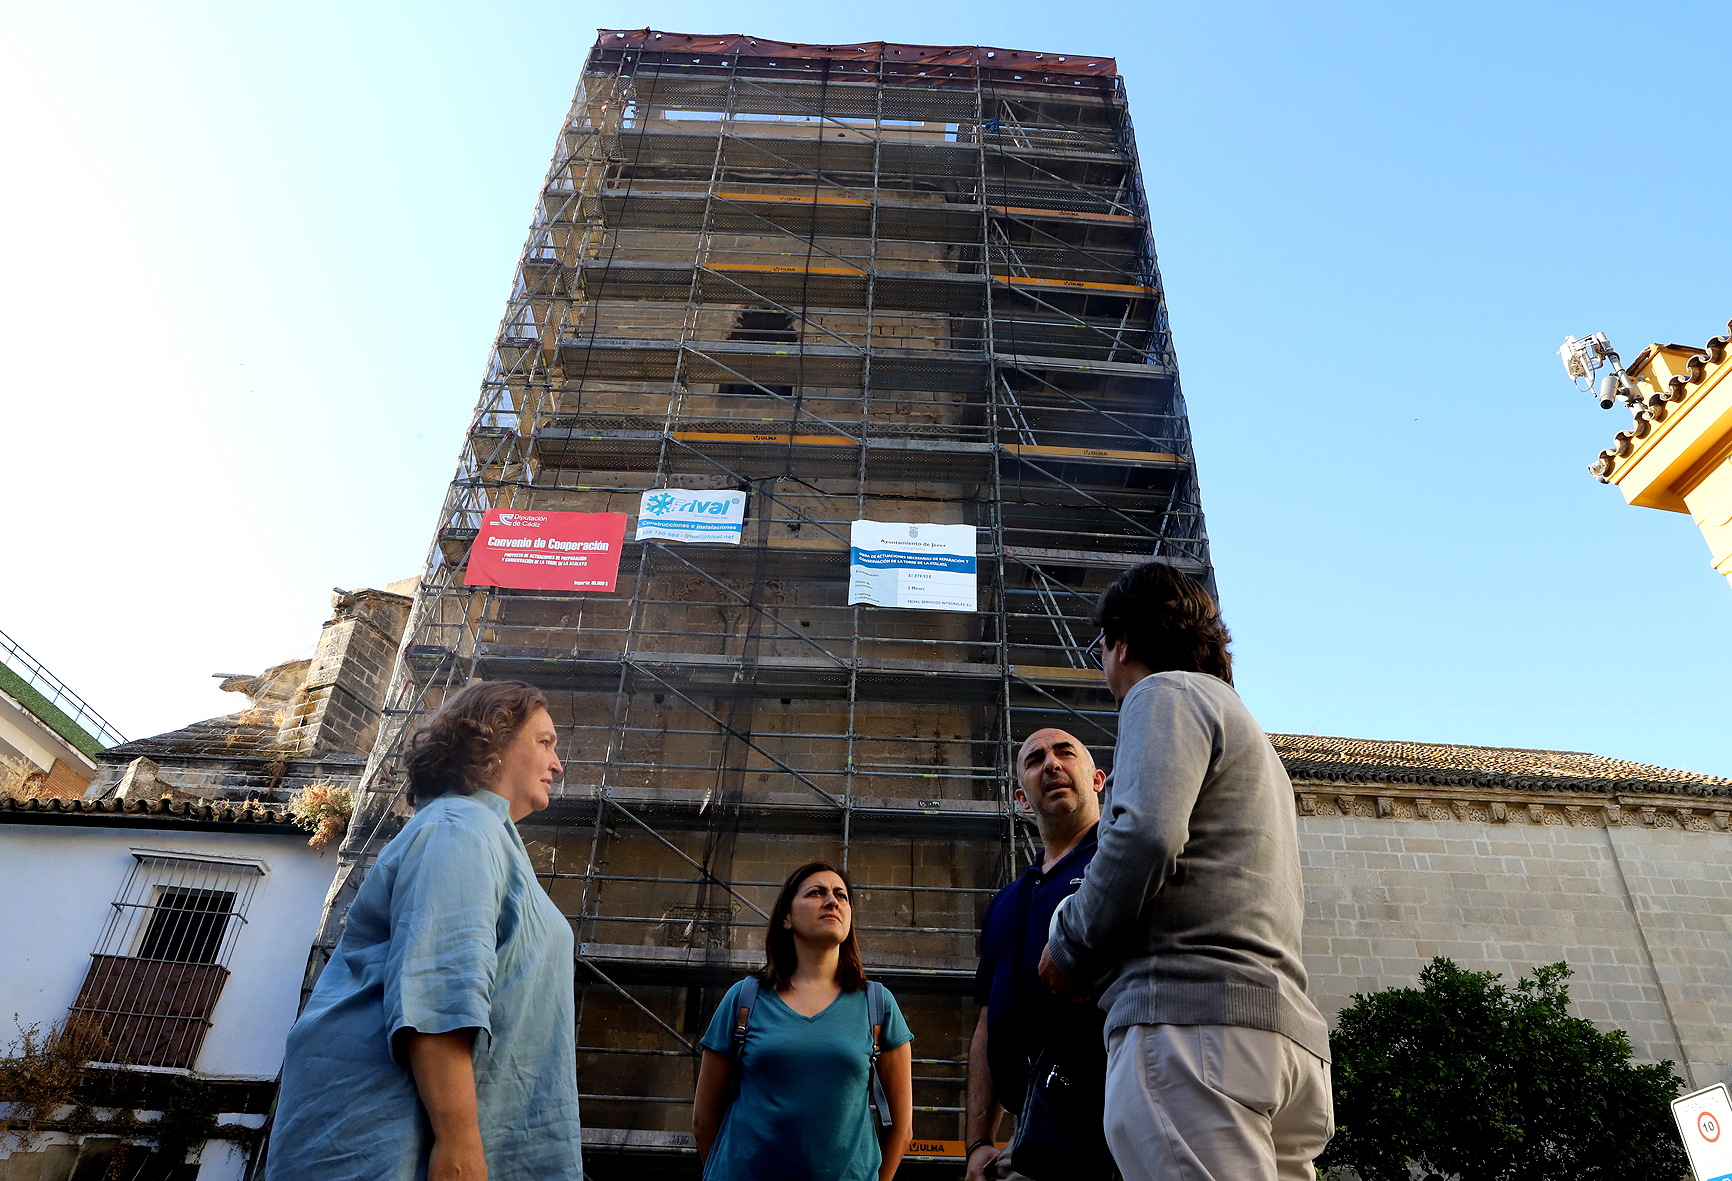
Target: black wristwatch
[969, 1155]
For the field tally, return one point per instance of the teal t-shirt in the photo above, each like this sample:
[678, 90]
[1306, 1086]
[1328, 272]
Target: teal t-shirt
[803, 1112]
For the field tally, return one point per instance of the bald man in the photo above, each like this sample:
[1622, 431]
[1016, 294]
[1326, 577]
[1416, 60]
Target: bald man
[1023, 1025]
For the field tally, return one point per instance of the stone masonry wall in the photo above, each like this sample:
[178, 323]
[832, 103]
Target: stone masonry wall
[240, 778]
[1635, 900]
[337, 709]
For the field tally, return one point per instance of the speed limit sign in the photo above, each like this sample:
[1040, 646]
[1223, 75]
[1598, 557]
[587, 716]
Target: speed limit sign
[1705, 1122]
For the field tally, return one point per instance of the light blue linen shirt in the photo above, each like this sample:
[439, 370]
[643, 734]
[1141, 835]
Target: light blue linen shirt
[449, 931]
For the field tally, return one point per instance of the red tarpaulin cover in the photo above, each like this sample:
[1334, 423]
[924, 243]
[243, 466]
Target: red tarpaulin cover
[547, 551]
[859, 51]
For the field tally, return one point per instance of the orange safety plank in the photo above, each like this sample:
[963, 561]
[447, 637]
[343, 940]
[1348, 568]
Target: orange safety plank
[1066, 214]
[1031, 281]
[1091, 453]
[1048, 672]
[780, 199]
[939, 1148]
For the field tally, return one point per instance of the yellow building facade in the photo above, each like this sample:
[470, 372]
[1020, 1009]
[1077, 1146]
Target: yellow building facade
[1677, 456]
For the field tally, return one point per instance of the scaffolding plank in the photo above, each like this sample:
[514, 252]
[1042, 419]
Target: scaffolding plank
[1098, 454]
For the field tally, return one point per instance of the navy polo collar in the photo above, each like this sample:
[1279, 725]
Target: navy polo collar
[1087, 845]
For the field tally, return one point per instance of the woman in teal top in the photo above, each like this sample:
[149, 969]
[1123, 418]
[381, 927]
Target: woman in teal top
[439, 1040]
[800, 1111]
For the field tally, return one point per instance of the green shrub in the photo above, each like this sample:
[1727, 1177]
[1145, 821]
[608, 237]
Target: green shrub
[1465, 1077]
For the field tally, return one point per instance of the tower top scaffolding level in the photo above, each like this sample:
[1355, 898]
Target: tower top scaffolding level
[969, 57]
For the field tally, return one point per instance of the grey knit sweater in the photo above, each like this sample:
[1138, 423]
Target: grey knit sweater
[1190, 911]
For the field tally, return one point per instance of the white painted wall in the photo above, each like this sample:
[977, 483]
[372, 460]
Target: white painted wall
[58, 883]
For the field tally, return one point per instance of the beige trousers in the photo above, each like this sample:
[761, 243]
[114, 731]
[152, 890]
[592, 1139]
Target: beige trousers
[1215, 1103]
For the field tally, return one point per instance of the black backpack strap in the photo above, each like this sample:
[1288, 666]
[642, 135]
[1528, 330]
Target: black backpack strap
[877, 1010]
[744, 1002]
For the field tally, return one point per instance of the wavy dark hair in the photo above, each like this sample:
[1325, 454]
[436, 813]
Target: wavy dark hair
[1170, 621]
[452, 751]
[780, 958]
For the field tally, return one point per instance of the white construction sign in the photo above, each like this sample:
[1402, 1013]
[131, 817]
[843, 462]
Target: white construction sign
[1705, 1122]
[686, 514]
[926, 567]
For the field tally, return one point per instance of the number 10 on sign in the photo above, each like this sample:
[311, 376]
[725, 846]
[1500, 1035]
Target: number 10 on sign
[1705, 1122]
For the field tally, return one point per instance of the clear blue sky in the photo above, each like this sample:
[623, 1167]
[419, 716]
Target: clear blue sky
[253, 257]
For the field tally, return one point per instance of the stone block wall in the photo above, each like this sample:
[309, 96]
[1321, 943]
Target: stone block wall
[1636, 899]
[243, 777]
[337, 709]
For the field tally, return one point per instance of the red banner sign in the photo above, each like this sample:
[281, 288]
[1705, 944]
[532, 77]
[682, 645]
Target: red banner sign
[547, 551]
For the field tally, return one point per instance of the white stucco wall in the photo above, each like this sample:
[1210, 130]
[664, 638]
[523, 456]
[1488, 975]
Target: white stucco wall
[59, 882]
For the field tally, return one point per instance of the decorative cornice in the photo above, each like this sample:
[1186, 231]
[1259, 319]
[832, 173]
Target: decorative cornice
[1576, 810]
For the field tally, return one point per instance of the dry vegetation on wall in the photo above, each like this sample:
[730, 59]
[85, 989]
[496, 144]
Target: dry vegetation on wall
[323, 809]
[42, 1073]
[20, 779]
[256, 716]
[47, 1083]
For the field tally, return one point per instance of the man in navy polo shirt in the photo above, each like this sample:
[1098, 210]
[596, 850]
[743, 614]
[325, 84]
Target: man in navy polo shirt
[1021, 1017]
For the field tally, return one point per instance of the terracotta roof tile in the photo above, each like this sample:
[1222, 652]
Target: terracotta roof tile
[1677, 389]
[1311, 756]
[192, 811]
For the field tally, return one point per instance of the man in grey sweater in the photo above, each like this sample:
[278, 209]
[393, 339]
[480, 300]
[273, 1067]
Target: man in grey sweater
[1187, 922]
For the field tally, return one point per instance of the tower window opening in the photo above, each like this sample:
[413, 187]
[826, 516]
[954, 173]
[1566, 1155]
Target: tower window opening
[769, 325]
[762, 326]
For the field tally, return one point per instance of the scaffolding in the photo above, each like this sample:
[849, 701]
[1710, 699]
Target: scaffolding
[886, 282]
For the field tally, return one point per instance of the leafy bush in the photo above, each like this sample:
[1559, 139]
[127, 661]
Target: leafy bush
[1465, 1077]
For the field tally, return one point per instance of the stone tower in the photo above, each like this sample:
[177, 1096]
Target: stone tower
[890, 283]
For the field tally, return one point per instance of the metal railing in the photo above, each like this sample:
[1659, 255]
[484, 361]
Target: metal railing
[54, 689]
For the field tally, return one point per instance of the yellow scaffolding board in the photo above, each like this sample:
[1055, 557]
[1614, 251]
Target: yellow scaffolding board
[1160, 457]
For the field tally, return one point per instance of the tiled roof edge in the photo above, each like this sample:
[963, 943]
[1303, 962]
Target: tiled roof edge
[118, 756]
[246, 813]
[1299, 768]
[1677, 389]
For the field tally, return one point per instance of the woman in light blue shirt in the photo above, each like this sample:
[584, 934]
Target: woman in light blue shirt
[439, 1041]
[799, 1111]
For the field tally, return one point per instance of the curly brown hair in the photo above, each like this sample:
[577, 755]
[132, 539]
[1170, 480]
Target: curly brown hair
[1170, 620]
[452, 752]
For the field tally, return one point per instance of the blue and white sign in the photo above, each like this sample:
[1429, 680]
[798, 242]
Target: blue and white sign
[926, 567]
[686, 514]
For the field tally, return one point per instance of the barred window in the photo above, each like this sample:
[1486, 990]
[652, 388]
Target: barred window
[162, 959]
[187, 926]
